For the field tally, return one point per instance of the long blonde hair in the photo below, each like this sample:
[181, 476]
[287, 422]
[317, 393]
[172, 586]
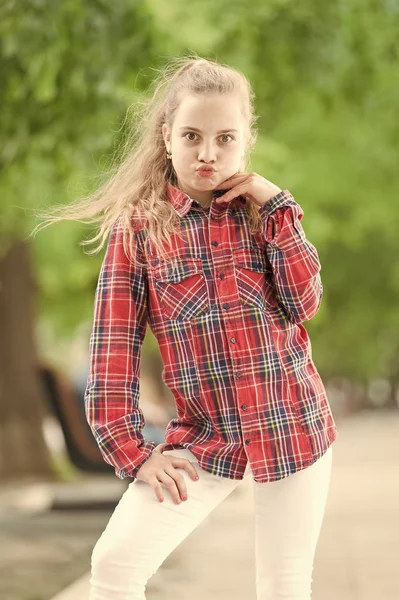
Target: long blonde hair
[135, 192]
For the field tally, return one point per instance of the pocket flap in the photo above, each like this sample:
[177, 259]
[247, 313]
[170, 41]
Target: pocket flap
[253, 259]
[178, 269]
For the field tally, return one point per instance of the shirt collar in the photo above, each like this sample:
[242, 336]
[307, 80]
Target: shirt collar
[182, 202]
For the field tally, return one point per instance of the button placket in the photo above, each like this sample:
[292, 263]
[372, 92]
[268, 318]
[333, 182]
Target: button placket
[231, 331]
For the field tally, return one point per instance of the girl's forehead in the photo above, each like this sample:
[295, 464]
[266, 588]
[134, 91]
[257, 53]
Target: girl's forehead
[209, 110]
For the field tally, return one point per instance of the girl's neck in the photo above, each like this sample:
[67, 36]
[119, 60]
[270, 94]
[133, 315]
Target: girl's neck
[204, 198]
[204, 204]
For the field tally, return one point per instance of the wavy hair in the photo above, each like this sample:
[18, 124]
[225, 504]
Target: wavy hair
[135, 189]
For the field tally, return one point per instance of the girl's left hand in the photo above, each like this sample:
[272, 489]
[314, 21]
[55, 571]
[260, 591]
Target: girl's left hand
[252, 186]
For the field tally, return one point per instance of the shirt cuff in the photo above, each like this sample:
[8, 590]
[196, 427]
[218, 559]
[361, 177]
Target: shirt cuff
[283, 198]
[132, 472]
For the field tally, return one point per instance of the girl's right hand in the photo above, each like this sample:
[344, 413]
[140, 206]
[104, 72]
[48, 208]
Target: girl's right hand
[160, 469]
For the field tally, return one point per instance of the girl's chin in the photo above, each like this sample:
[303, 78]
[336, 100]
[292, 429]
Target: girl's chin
[209, 182]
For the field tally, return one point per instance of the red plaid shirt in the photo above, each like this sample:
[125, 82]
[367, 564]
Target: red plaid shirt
[226, 308]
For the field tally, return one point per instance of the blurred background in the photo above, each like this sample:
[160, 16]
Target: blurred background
[326, 79]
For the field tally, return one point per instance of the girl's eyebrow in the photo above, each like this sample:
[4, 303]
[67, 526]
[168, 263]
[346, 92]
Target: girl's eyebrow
[199, 130]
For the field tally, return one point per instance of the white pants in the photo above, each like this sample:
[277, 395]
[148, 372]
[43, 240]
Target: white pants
[142, 531]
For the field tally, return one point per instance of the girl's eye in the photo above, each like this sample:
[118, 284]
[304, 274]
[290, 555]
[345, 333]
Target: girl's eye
[226, 135]
[190, 133]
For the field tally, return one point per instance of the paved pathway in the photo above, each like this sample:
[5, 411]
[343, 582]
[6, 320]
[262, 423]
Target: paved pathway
[358, 550]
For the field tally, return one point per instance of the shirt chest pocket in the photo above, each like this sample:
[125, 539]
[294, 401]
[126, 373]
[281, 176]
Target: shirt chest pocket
[181, 288]
[254, 278]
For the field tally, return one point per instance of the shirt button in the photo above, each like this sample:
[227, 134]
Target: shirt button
[213, 217]
[156, 261]
[233, 340]
[215, 243]
[226, 305]
[238, 374]
[244, 407]
[221, 275]
[247, 442]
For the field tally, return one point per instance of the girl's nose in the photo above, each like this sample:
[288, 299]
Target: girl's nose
[207, 153]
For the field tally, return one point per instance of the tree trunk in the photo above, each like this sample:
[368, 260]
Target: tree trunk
[23, 451]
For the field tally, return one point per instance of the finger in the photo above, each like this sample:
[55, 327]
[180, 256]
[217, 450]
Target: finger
[169, 481]
[239, 190]
[156, 486]
[179, 482]
[183, 463]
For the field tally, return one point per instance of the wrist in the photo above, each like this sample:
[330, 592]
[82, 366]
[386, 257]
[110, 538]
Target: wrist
[276, 190]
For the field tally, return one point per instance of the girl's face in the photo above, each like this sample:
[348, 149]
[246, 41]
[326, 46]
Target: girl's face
[208, 131]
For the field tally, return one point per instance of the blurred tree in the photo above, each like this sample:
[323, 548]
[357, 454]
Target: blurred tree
[22, 447]
[66, 69]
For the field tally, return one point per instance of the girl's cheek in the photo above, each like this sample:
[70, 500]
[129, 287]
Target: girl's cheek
[233, 153]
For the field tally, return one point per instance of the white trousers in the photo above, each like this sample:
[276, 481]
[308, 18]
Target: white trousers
[142, 531]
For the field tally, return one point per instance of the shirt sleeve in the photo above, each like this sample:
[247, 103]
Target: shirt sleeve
[294, 260]
[113, 387]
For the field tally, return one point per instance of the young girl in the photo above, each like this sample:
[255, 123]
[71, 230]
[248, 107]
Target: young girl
[215, 260]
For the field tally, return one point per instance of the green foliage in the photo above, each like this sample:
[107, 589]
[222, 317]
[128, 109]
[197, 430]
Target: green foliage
[68, 72]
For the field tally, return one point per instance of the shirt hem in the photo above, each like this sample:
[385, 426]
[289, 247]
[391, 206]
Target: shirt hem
[331, 437]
